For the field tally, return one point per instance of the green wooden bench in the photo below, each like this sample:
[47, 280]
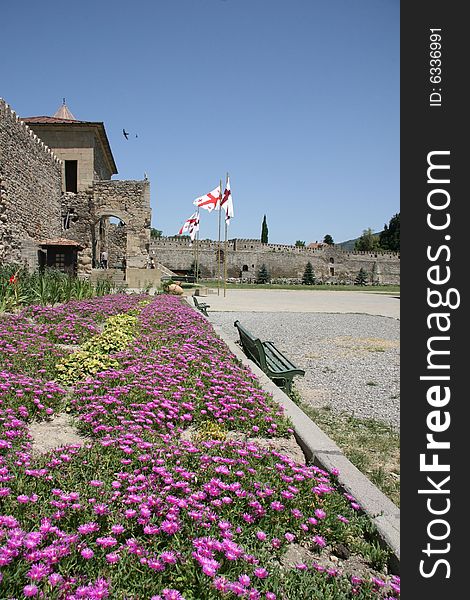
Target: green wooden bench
[270, 360]
[202, 306]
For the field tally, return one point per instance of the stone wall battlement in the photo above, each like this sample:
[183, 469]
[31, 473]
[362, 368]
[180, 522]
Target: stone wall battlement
[7, 113]
[250, 245]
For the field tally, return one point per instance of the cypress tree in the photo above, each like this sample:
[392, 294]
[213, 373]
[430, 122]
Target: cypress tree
[264, 231]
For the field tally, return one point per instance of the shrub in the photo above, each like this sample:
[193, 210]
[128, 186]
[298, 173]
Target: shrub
[309, 275]
[263, 275]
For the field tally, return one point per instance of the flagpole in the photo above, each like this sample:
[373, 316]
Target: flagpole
[197, 257]
[197, 252]
[218, 246]
[225, 248]
[225, 260]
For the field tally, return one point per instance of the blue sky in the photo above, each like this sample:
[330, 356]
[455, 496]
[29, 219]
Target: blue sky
[297, 99]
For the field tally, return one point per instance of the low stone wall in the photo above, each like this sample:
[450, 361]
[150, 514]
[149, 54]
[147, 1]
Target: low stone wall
[142, 278]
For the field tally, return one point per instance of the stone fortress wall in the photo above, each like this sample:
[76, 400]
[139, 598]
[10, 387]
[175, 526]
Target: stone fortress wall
[246, 256]
[30, 190]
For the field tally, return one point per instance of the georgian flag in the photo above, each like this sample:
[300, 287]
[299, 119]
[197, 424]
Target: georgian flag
[190, 226]
[194, 227]
[226, 202]
[210, 201]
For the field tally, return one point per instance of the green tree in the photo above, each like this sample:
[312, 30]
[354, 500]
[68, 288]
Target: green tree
[309, 275]
[389, 238]
[155, 233]
[328, 240]
[300, 244]
[264, 231]
[361, 277]
[263, 275]
[368, 241]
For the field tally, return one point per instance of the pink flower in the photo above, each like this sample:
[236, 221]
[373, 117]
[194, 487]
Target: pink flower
[87, 553]
[169, 527]
[112, 557]
[319, 541]
[171, 594]
[95, 483]
[168, 557]
[87, 528]
[209, 566]
[289, 537]
[106, 542]
[261, 536]
[55, 578]
[261, 573]
[30, 590]
[320, 514]
[38, 571]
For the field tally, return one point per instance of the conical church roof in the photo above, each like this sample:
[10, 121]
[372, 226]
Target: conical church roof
[64, 113]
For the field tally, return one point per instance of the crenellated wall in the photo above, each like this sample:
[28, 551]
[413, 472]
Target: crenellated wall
[31, 188]
[245, 257]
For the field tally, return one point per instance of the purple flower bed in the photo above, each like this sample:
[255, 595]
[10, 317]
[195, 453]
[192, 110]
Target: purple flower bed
[139, 513]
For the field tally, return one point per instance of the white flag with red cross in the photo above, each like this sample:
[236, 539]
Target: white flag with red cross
[227, 203]
[191, 225]
[210, 201]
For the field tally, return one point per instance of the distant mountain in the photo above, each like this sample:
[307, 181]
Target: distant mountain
[348, 245]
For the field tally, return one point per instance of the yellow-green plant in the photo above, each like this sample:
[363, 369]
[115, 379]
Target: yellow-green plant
[94, 355]
[208, 430]
[80, 365]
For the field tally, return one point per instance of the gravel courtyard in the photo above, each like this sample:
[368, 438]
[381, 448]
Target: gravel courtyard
[351, 361]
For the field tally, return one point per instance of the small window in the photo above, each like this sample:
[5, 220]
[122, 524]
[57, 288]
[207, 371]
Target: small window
[60, 260]
[71, 175]
[245, 268]
[332, 271]
[332, 260]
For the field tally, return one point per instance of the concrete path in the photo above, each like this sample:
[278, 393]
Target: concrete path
[370, 303]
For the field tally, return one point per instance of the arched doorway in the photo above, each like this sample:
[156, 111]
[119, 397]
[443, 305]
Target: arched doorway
[110, 235]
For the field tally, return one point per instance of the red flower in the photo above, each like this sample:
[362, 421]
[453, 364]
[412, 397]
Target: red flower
[13, 279]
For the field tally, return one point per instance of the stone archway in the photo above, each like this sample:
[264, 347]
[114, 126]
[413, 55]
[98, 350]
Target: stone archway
[110, 233]
[128, 201]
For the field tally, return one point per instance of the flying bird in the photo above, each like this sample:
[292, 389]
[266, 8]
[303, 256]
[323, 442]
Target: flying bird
[125, 134]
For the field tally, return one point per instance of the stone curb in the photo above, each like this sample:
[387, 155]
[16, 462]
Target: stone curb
[324, 453]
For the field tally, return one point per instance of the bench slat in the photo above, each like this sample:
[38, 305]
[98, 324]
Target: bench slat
[202, 306]
[277, 366]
